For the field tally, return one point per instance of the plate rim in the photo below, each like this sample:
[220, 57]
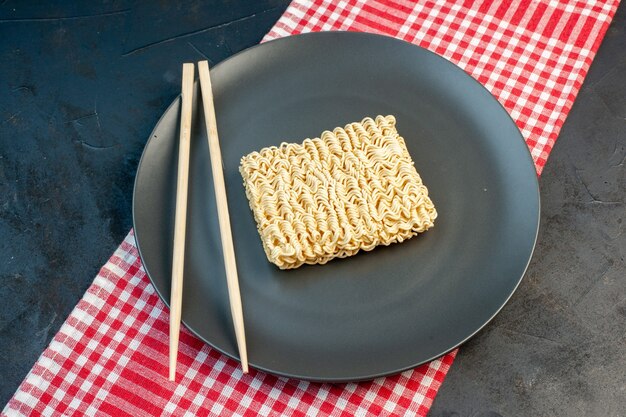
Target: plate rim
[375, 375]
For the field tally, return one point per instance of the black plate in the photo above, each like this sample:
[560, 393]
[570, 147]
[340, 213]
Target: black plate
[379, 312]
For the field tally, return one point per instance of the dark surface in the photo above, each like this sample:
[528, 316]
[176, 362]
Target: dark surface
[308, 322]
[558, 348]
[66, 178]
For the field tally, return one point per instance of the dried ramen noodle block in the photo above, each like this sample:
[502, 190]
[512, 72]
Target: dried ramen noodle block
[329, 197]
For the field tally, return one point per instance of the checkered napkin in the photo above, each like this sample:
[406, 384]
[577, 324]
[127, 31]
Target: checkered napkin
[110, 356]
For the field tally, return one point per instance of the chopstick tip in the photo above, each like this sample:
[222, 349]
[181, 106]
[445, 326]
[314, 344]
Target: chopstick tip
[202, 64]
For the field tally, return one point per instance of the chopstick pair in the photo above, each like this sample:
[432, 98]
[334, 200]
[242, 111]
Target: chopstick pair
[178, 258]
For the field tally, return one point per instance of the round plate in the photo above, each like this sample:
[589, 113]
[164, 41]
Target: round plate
[379, 312]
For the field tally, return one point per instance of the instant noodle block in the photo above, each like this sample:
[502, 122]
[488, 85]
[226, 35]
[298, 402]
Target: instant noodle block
[350, 189]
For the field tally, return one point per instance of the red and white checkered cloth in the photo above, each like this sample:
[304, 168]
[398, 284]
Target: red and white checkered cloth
[110, 356]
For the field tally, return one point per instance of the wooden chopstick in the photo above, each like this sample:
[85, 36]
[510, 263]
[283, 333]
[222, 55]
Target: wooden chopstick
[180, 222]
[222, 212]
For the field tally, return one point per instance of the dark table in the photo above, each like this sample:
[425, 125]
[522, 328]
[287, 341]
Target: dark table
[81, 87]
